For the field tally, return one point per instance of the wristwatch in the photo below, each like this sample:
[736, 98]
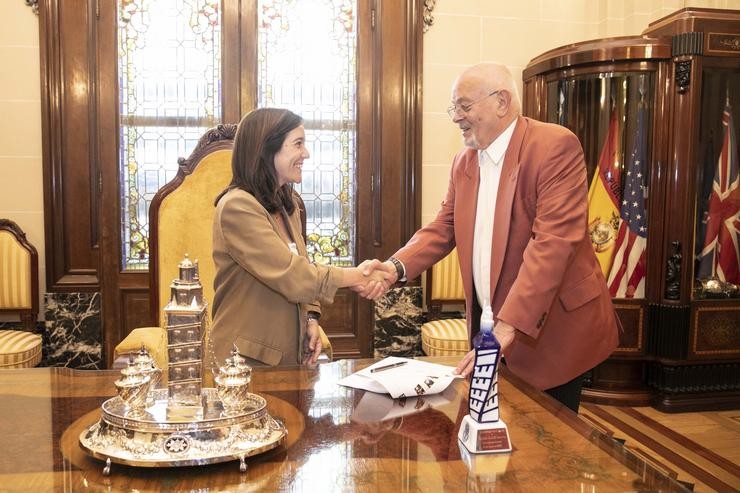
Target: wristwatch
[312, 315]
[400, 269]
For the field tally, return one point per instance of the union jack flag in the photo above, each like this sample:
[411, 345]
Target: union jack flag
[627, 275]
[721, 256]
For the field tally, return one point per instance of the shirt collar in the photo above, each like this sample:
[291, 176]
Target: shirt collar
[498, 147]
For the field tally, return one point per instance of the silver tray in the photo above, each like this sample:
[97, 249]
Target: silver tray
[162, 436]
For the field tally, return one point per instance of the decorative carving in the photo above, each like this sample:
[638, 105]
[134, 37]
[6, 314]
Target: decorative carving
[428, 17]
[724, 42]
[673, 273]
[13, 227]
[34, 4]
[683, 75]
[221, 132]
[715, 331]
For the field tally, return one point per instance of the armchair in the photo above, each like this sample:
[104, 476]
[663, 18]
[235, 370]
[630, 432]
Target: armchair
[442, 335]
[19, 293]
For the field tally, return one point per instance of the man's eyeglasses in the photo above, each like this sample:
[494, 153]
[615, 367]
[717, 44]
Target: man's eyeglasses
[462, 109]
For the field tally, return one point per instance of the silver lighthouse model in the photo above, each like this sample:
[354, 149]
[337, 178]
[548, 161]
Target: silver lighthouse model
[186, 331]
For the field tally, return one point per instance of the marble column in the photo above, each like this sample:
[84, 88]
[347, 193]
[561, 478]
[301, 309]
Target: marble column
[73, 331]
[398, 319]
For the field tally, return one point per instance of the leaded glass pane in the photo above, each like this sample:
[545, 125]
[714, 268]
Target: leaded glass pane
[307, 63]
[169, 70]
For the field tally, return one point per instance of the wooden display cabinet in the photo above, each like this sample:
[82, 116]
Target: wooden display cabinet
[680, 349]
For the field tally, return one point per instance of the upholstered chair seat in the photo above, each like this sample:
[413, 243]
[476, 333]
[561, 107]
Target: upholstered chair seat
[19, 349]
[446, 337]
[153, 339]
[442, 335]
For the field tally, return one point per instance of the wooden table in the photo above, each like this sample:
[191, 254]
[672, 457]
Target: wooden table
[43, 411]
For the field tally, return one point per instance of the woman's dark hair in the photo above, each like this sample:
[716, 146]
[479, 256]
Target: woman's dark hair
[259, 137]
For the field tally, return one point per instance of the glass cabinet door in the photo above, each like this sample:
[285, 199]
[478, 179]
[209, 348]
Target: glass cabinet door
[611, 113]
[717, 228]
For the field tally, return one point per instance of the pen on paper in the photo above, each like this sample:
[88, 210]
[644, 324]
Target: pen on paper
[388, 367]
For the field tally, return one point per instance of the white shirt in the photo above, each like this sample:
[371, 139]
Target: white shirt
[491, 161]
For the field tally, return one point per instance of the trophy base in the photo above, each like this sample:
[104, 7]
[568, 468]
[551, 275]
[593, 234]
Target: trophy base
[484, 438]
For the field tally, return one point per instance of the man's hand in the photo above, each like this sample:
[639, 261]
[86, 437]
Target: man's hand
[312, 342]
[380, 277]
[504, 334]
[465, 366]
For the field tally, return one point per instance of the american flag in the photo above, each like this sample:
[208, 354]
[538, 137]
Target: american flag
[720, 256]
[627, 274]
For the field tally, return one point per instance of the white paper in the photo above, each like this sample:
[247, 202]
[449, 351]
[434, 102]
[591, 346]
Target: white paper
[414, 378]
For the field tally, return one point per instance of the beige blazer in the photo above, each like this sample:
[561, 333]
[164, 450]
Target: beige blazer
[262, 290]
[545, 279]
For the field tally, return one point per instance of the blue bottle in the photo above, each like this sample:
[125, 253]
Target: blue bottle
[485, 339]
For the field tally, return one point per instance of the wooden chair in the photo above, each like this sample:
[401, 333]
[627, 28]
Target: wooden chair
[19, 293]
[442, 335]
[180, 222]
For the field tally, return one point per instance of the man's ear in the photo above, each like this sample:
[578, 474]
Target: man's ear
[503, 97]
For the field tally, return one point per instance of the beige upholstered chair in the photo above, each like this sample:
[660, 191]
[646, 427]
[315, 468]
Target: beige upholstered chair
[444, 336]
[19, 294]
[180, 222]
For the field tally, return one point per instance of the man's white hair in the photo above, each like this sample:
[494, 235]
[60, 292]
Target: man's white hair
[496, 76]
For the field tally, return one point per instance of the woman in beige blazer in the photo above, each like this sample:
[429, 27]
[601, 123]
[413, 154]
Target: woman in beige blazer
[267, 293]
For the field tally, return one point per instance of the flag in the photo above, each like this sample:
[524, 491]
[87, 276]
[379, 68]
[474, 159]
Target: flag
[603, 194]
[720, 256]
[627, 274]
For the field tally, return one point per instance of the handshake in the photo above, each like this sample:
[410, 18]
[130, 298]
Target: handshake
[372, 278]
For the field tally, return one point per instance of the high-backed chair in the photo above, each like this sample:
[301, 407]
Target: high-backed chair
[19, 294]
[443, 335]
[180, 222]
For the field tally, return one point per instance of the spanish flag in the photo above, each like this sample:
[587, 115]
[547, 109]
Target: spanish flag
[603, 198]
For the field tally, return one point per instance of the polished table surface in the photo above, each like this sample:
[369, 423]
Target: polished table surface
[43, 411]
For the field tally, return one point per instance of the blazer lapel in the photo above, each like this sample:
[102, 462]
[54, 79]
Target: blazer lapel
[504, 201]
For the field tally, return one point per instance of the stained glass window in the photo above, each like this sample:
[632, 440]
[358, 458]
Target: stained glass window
[169, 69]
[307, 63]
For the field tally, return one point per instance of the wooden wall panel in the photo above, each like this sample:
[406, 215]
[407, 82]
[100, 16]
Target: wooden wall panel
[71, 173]
[135, 302]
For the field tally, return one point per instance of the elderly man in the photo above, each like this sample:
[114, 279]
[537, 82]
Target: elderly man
[516, 208]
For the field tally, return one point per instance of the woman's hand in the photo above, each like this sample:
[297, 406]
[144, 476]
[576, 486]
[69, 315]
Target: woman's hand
[378, 277]
[312, 342]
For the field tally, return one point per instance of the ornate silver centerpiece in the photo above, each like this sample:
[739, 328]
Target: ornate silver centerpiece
[183, 424]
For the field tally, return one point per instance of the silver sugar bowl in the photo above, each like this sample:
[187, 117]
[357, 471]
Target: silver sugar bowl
[147, 366]
[133, 388]
[232, 383]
